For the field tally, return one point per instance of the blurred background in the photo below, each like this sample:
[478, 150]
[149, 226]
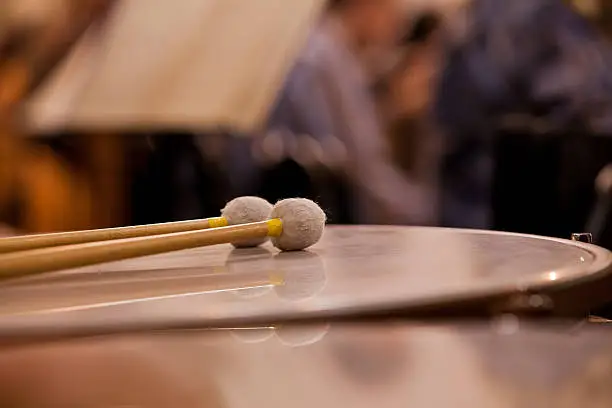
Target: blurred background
[493, 114]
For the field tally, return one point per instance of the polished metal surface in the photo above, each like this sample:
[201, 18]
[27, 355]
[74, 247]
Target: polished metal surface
[583, 237]
[352, 271]
[505, 363]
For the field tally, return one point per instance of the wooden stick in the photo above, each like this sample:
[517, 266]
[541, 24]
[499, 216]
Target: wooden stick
[29, 242]
[20, 264]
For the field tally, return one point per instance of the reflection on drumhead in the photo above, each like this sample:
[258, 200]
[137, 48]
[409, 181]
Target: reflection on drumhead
[301, 275]
[252, 261]
[293, 276]
[393, 264]
[291, 336]
[299, 336]
[252, 334]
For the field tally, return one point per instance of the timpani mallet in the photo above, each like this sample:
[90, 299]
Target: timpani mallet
[295, 224]
[242, 210]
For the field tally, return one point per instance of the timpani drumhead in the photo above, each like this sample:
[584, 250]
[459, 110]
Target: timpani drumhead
[352, 270]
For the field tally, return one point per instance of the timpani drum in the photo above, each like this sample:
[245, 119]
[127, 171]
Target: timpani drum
[305, 329]
[352, 273]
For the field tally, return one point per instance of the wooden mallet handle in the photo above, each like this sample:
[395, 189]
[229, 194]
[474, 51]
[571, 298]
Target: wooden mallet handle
[25, 263]
[28, 242]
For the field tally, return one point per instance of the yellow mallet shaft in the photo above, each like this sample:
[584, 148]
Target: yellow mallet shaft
[29, 242]
[37, 261]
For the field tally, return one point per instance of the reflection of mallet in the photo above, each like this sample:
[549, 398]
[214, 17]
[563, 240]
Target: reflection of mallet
[241, 210]
[295, 224]
[299, 275]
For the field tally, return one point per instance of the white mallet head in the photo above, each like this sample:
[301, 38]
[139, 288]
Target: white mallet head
[245, 210]
[303, 224]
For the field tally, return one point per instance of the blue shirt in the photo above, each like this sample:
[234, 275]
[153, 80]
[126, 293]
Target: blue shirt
[522, 56]
[328, 94]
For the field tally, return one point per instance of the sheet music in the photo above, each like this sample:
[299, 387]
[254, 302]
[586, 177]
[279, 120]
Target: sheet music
[195, 64]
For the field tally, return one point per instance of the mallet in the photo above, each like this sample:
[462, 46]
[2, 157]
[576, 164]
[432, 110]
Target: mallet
[295, 224]
[242, 210]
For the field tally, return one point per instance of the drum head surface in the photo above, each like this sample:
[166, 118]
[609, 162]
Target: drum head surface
[352, 269]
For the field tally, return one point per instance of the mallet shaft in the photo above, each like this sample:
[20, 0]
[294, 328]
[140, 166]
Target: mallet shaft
[29, 242]
[20, 264]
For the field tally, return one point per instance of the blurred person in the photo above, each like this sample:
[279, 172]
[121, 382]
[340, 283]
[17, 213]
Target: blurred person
[329, 94]
[406, 95]
[537, 58]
